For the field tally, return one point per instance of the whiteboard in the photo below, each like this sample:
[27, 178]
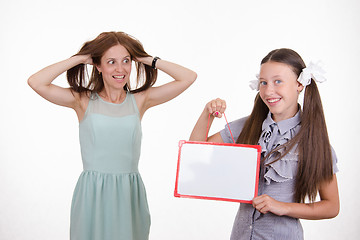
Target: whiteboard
[217, 171]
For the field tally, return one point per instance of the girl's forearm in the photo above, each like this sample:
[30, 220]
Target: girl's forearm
[313, 211]
[200, 128]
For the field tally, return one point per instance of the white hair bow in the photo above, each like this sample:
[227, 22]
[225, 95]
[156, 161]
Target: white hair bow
[312, 71]
[254, 84]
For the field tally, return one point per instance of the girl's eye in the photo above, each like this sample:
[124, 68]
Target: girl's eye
[278, 81]
[126, 60]
[263, 83]
[111, 61]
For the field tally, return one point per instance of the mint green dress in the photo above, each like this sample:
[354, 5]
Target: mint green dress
[109, 200]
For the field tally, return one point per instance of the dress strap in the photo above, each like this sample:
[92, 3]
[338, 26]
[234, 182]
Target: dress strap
[92, 97]
[132, 97]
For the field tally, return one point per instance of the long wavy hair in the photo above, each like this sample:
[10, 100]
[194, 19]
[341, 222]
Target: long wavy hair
[312, 141]
[78, 76]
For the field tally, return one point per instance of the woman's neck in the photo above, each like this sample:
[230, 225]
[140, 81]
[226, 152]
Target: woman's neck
[113, 96]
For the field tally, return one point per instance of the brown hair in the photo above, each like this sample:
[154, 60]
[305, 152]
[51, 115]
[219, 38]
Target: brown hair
[314, 151]
[96, 48]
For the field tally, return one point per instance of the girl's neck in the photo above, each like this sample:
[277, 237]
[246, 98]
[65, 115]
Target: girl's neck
[280, 117]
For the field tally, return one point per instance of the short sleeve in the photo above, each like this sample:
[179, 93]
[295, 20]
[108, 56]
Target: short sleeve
[236, 128]
[334, 161]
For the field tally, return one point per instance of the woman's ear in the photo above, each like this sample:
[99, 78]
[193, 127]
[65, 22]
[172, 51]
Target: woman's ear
[98, 68]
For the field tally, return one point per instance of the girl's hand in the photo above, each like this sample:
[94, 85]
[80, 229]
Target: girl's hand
[265, 204]
[216, 107]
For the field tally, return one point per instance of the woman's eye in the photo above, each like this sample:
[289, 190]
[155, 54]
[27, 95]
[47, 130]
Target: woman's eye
[126, 61]
[277, 81]
[111, 62]
[263, 83]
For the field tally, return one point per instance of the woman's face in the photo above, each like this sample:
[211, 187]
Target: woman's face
[279, 89]
[115, 67]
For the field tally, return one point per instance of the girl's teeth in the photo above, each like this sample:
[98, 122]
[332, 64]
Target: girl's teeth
[273, 100]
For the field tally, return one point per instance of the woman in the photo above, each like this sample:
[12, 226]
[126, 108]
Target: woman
[109, 200]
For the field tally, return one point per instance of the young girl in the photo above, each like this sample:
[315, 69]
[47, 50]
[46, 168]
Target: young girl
[109, 200]
[297, 159]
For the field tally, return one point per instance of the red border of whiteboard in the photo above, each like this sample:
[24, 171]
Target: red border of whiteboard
[181, 142]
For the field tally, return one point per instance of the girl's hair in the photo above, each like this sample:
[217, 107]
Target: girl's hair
[314, 150]
[96, 48]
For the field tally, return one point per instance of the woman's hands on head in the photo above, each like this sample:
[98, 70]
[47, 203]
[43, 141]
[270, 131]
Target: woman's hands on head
[144, 60]
[88, 59]
[216, 107]
[85, 59]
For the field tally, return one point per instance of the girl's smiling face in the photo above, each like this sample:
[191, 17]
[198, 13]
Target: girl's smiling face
[115, 67]
[279, 89]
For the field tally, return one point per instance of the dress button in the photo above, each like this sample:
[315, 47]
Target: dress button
[250, 226]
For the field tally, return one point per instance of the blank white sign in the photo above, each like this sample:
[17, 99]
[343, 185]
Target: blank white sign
[227, 172]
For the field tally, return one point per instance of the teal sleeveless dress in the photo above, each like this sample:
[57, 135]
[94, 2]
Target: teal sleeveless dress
[109, 200]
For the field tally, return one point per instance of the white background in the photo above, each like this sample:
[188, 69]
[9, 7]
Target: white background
[223, 41]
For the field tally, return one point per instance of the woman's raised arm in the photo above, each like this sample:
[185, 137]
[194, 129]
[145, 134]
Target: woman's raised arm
[41, 82]
[183, 78]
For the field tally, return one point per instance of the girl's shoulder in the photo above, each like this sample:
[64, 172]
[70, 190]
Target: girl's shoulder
[236, 127]
[239, 122]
